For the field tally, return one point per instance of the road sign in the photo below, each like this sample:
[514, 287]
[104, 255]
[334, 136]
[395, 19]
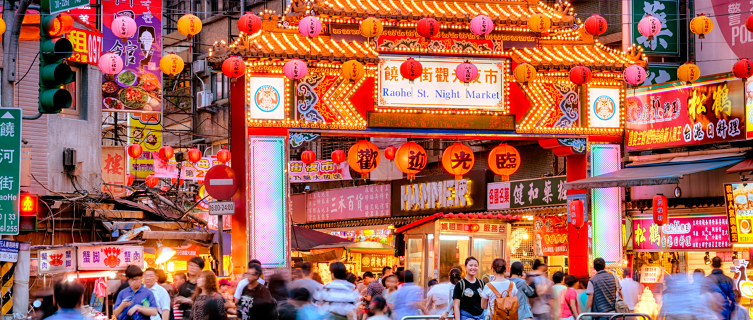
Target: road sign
[8, 251]
[221, 207]
[220, 182]
[10, 175]
[53, 6]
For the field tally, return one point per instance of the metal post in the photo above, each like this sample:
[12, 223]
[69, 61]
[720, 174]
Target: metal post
[220, 242]
[243, 7]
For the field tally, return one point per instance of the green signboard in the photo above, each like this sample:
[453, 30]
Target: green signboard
[10, 175]
[54, 6]
[538, 192]
[667, 41]
[660, 73]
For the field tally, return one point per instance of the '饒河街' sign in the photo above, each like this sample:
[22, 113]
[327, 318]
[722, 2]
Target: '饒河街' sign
[439, 87]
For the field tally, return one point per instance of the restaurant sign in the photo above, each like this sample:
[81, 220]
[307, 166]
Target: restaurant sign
[109, 257]
[438, 87]
[697, 232]
[739, 206]
[472, 227]
[549, 236]
[319, 170]
[439, 193]
[526, 193]
[57, 260]
[87, 46]
[349, 203]
[674, 114]
[189, 171]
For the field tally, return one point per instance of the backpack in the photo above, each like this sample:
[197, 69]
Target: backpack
[533, 286]
[505, 308]
[463, 281]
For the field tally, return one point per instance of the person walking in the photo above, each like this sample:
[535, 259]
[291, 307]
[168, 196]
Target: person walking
[582, 295]
[68, 300]
[631, 289]
[466, 297]
[723, 285]
[178, 280]
[306, 282]
[602, 289]
[160, 295]
[136, 301]
[391, 284]
[409, 299]
[338, 299]
[244, 282]
[541, 302]
[558, 278]
[438, 297]
[208, 302]
[569, 299]
[524, 290]
[500, 287]
[255, 301]
[187, 289]
[378, 309]
[373, 289]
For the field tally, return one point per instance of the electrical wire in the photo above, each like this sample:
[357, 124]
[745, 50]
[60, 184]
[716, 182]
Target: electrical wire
[30, 65]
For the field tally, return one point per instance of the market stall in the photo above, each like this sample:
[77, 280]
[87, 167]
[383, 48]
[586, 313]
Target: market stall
[358, 257]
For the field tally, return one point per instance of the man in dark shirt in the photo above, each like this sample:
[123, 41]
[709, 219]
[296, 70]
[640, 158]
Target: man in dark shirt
[135, 302]
[720, 283]
[256, 301]
[186, 290]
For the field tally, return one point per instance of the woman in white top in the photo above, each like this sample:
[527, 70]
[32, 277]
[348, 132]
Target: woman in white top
[504, 287]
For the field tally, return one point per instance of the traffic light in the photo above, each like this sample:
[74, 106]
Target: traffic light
[28, 205]
[53, 73]
[28, 208]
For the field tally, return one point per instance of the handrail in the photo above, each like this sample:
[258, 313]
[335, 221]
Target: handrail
[422, 317]
[613, 316]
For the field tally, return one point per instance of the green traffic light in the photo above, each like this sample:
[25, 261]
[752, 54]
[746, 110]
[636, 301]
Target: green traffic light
[53, 72]
[54, 100]
[57, 49]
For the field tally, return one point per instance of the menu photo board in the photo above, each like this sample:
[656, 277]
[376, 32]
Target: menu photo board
[550, 236]
[738, 198]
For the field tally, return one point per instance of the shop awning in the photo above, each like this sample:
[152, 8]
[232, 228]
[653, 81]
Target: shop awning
[304, 239]
[359, 247]
[654, 173]
[745, 166]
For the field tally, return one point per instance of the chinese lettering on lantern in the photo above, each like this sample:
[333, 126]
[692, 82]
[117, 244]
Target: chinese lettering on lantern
[367, 158]
[57, 260]
[109, 257]
[461, 159]
[416, 160]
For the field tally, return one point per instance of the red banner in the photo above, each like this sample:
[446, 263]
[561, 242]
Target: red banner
[675, 114]
[549, 236]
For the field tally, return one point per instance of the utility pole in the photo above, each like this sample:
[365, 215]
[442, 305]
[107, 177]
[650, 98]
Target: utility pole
[13, 22]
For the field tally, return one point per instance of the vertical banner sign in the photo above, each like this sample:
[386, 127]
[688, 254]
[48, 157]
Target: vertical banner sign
[549, 236]
[114, 170]
[145, 129]
[138, 88]
[10, 175]
[667, 41]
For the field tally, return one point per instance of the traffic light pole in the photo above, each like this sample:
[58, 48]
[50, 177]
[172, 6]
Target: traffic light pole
[13, 20]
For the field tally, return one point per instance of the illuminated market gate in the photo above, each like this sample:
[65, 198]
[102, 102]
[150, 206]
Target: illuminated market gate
[354, 86]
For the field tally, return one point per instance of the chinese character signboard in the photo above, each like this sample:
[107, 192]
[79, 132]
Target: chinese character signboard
[54, 6]
[9, 250]
[319, 170]
[675, 114]
[57, 260]
[10, 175]
[667, 42]
[375, 262]
[109, 257]
[189, 171]
[349, 203]
[450, 227]
[549, 236]
[651, 274]
[146, 130]
[138, 88]
[731, 40]
[537, 192]
[439, 87]
[498, 195]
[439, 193]
[699, 232]
[114, 170]
[87, 46]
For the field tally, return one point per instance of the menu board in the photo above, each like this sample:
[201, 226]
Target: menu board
[549, 236]
[651, 274]
[739, 205]
[696, 232]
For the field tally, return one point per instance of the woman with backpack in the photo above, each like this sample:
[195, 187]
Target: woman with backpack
[466, 297]
[500, 295]
[569, 299]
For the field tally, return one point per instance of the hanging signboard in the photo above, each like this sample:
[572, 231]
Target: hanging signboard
[675, 114]
[145, 129]
[667, 41]
[651, 274]
[739, 203]
[439, 193]
[109, 257]
[57, 260]
[319, 170]
[113, 170]
[189, 171]
[438, 87]
[349, 203]
[498, 195]
[87, 46]
[526, 193]
[138, 87]
[698, 232]
[549, 236]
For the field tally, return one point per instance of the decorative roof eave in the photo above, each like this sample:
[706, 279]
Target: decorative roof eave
[455, 12]
[563, 57]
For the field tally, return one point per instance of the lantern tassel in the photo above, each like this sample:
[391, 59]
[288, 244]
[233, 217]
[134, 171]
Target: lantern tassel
[505, 178]
[458, 177]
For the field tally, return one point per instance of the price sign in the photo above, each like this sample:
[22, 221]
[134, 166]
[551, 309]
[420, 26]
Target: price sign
[221, 207]
[54, 6]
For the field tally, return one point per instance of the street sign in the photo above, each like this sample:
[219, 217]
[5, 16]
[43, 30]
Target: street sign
[8, 251]
[221, 207]
[53, 6]
[10, 175]
[220, 182]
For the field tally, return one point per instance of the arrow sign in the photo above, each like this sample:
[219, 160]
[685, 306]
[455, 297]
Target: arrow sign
[220, 182]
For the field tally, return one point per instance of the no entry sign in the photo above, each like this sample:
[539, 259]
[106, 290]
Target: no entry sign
[220, 182]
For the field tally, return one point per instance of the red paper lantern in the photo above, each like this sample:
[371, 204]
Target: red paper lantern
[308, 157]
[249, 23]
[338, 156]
[411, 159]
[576, 214]
[166, 152]
[390, 152]
[135, 150]
[152, 181]
[200, 182]
[363, 157]
[427, 27]
[596, 25]
[743, 69]
[504, 160]
[458, 159]
[449, 215]
[580, 75]
[129, 179]
[233, 68]
[180, 183]
[749, 23]
[660, 209]
[461, 216]
[194, 155]
[472, 216]
[411, 69]
[223, 156]
[500, 216]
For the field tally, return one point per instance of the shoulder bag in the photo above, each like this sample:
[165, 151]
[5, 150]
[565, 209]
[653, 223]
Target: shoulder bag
[620, 306]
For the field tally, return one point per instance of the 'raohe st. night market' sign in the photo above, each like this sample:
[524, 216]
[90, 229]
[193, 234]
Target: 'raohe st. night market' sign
[439, 87]
[675, 114]
[441, 193]
[700, 232]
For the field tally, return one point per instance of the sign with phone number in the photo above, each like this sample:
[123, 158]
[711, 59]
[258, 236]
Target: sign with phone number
[87, 46]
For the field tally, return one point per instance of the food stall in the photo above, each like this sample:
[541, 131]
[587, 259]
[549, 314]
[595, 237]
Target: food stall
[358, 257]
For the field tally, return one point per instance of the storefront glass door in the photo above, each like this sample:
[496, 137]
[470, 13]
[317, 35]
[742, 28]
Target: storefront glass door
[452, 252]
[414, 255]
[486, 250]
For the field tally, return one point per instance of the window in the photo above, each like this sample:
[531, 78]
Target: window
[74, 88]
[220, 86]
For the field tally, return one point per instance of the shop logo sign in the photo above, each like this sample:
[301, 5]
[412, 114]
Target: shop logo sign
[604, 107]
[267, 98]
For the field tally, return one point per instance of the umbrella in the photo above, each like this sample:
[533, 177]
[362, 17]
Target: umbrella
[304, 239]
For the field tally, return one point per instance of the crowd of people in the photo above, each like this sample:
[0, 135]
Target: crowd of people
[509, 294]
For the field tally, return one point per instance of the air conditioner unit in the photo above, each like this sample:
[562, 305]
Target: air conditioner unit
[199, 66]
[204, 98]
